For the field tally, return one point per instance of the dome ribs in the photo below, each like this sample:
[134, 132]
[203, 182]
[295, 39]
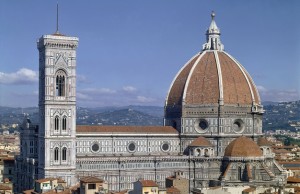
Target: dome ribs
[213, 77]
[236, 88]
[177, 87]
[243, 147]
[203, 86]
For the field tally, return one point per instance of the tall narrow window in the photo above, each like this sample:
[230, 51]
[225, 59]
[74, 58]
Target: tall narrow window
[64, 123]
[55, 154]
[239, 173]
[56, 123]
[60, 83]
[64, 154]
[253, 172]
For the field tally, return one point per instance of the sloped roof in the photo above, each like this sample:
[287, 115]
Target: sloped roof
[45, 180]
[261, 141]
[91, 179]
[292, 179]
[172, 190]
[125, 129]
[5, 187]
[148, 183]
[201, 141]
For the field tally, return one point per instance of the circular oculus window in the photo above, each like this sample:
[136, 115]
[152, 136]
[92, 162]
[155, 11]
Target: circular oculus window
[201, 125]
[165, 146]
[131, 147]
[95, 147]
[238, 126]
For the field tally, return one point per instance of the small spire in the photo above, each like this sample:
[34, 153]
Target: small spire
[57, 32]
[213, 41]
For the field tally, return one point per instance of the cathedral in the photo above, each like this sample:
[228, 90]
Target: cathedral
[212, 129]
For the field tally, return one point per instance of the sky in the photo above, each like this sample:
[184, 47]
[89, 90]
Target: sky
[130, 51]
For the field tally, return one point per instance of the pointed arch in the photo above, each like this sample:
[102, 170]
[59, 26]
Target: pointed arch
[60, 87]
[56, 123]
[64, 154]
[64, 123]
[56, 154]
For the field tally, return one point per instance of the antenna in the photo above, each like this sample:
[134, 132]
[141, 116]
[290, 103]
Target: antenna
[57, 32]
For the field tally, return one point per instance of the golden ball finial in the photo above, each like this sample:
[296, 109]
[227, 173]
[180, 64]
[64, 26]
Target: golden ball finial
[213, 15]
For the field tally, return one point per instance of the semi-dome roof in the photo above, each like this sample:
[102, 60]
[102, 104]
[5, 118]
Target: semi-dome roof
[213, 76]
[243, 147]
[201, 142]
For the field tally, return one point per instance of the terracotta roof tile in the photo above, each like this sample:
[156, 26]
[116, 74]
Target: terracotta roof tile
[204, 78]
[28, 191]
[118, 192]
[263, 142]
[91, 179]
[5, 187]
[173, 190]
[199, 79]
[45, 179]
[125, 129]
[281, 151]
[177, 88]
[201, 141]
[293, 179]
[243, 147]
[66, 191]
[148, 183]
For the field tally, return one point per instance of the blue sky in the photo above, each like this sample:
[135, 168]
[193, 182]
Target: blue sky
[129, 51]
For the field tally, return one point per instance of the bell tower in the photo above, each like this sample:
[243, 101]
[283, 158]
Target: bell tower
[57, 107]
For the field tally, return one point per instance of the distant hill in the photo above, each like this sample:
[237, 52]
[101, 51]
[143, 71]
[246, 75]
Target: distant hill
[280, 115]
[118, 117]
[266, 103]
[127, 115]
[277, 115]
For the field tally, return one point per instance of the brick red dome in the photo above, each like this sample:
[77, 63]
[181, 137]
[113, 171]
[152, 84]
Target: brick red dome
[243, 147]
[210, 77]
[213, 77]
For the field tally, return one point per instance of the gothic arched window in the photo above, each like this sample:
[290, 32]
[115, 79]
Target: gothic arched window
[64, 123]
[56, 154]
[56, 123]
[64, 154]
[60, 83]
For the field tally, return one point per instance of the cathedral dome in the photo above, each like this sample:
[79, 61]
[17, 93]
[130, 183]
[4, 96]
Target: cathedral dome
[213, 77]
[243, 147]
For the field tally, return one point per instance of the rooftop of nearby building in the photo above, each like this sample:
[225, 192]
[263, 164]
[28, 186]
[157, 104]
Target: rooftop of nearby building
[91, 179]
[148, 183]
[293, 179]
[45, 180]
[261, 141]
[172, 189]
